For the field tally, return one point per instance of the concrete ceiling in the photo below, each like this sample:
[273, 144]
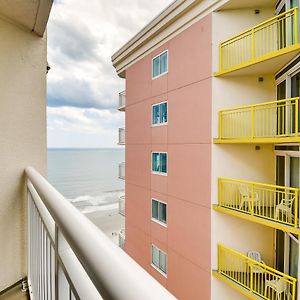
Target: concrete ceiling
[240, 4]
[30, 14]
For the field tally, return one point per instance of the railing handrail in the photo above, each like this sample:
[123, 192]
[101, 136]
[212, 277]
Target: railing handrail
[261, 184]
[110, 269]
[258, 104]
[257, 263]
[259, 25]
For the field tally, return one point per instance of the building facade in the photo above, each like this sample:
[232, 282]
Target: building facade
[212, 148]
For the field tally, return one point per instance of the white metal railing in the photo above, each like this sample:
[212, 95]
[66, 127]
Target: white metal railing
[122, 170]
[122, 205]
[122, 238]
[70, 258]
[122, 100]
[121, 136]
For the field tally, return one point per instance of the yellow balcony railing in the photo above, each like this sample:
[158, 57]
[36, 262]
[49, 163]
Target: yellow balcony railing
[271, 202]
[274, 119]
[254, 276]
[271, 38]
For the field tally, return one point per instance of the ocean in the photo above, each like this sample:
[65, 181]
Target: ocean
[88, 178]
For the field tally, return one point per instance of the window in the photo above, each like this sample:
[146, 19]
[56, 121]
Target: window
[159, 163]
[160, 113]
[159, 211]
[160, 64]
[159, 259]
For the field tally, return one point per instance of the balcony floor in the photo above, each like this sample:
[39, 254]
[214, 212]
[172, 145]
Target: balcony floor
[275, 140]
[15, 294]
[236, 286]
[257, 219]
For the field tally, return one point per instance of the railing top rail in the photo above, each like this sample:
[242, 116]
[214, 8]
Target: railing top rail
[259, 104]
[292, 10]
[261, 184]
[256, 263]
[115, 275]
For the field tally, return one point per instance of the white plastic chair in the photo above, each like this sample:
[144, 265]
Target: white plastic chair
[255, 255]
[246, 199]
[279, 286]
[285, 207]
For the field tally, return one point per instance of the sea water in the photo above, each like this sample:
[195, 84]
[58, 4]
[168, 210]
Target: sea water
[87, 177]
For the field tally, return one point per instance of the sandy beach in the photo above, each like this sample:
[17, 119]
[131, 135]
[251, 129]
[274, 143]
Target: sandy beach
[109, 221]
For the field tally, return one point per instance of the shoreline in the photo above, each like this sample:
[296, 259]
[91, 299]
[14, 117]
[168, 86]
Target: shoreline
[109, 221]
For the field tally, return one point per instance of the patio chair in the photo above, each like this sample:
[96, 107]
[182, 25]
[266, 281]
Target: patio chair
[279, 286]
[248, 200]
[285, 207]
[255, 255]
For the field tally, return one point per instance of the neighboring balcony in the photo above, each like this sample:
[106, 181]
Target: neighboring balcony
[122, 238]
[122, 205]
[269, 122]
[122, 101]
[271, 205]
[121, 136]
[122, 170]
[252, 278]
[265, 47]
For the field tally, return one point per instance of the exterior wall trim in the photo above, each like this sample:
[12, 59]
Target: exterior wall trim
[162, 29]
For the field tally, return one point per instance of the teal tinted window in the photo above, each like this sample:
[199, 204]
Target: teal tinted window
[155, 162]
[160, 113]
[156, 67]
[160, 64]
[154, 209]
[159, 211]
[155, 256]
[159, 259]
[159, 162]
[163, 162]
[164, 112]
[164, 63]
[155, 114]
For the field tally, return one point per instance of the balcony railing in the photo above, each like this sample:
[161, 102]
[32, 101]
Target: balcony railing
[271, 202]
[263, 121]
[70, 258]
[121, 136]
[122, 170]
[122, 239]
[122, 101]
[255, 277]
[122, 205]
[271, 38]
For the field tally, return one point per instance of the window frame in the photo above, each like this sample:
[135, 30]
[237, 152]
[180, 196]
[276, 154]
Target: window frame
[158, 55]
[157, 267]
[158, 104]
[157, 220]
[157, 172]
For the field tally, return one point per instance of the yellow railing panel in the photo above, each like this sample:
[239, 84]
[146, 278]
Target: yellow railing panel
[263, 120]
[271, 202]
[255, 276]
[262, 41]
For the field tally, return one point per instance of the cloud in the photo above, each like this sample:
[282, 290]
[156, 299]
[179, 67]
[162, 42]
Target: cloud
[88, 120]
[82, 36]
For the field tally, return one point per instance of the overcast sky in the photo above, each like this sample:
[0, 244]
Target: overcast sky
[82, 84]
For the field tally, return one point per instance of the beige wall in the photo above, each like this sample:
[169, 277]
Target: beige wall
[22, 139]
[239, 161]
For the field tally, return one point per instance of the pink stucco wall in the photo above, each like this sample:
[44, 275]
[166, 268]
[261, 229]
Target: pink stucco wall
[187, 140]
